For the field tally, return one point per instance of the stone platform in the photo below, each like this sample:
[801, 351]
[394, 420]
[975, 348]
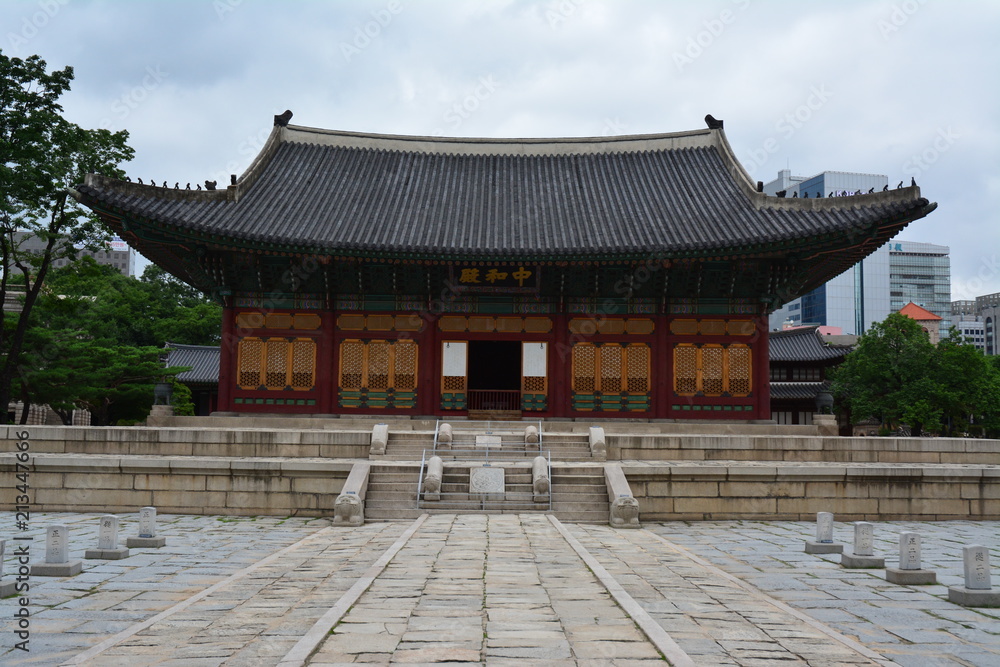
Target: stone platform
[498, 590]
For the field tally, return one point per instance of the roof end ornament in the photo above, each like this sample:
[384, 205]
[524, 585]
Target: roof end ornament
[282, 120]
[712, 123]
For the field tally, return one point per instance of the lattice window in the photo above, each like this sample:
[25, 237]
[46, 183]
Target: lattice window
[534, 384]
[404, 376]
[378, 365]
[303, 364]
[276, 363]
[352, 364]
[712, 370]
[686, 369]
[453, 382]
[611, 369]
[637, 369]
[739, 370]
[251, 362]
[584, 368]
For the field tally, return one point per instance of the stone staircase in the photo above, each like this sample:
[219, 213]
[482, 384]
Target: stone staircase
[411, 445]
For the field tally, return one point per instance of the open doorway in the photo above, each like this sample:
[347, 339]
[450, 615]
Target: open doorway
[494, 375]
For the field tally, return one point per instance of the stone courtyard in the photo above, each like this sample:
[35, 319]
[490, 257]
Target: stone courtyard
[497, 589]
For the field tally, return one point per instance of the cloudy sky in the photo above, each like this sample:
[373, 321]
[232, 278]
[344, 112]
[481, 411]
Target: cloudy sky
[906, 88]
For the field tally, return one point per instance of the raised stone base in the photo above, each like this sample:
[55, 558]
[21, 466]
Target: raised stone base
[69, 569]
[106, 554]
[7, 588]
[824, 547]
[146, 542]
[894, 575]
[968, 597]
[856, 561]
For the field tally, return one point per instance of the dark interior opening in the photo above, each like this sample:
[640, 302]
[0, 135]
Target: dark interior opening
[495, 364]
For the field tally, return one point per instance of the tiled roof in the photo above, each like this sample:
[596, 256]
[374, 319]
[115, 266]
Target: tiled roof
[203, 360]
[796, 390]
[915, 312]
[803, 344]
[344, 193]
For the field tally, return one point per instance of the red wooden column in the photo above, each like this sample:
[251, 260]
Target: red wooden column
[326, 364]
[559, 367]
[662, 369]
[429, 371]
[227, 354]
[762, 374]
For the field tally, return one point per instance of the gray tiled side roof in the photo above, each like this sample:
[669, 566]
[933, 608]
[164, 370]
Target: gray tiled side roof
[203, 360]
[803, 344]
[320, 192]
[797, 390]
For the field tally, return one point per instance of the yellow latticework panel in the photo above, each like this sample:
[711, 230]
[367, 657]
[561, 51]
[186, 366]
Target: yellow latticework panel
[685, 369]
[351, 322]
[481, 324]
[404, 375]
[712, 370]
[583, 325]
[276, 363]
[409, 323]
[637, 368]
[278, 321]
[611, 369]
[584, 368]
[684, 327]
[510, 324]
[533, 384]
[378, 364]
[739, 370]
[352, 364]
[453, 383]
[380, 322]
[537, 324]
[453, 323]
[713, 327]
[303, 364]
[308, 321]
[639, 327]
[251, 357]
[250, 320]
[616, 326]
[741, 327]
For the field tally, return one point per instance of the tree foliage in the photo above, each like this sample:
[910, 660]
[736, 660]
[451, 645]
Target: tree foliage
[42, 155]
[897, 376]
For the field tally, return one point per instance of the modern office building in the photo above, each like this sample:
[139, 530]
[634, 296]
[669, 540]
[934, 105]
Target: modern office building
[921, 273]
[988, 310]
[117, 253]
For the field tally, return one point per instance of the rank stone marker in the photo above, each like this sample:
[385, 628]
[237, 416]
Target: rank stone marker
[6, 587]
[107, 541]
[909, 571]
[147, 531]
[57, 562]
[824, 543]
[864, 555]
[487, 482]
[977, 591]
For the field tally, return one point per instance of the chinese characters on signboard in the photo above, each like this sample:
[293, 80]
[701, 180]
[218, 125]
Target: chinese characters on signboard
[496, 278]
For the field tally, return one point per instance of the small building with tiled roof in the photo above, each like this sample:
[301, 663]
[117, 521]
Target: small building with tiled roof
[926, 319]
[801, 359]
[623, 276]
[202, 376]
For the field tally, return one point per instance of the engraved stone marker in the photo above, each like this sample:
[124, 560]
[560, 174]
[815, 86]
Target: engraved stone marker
[487, 481]
[488, 441]
[977, 567]
[56, 545]
[824, 527]
[864, 534]
[147, 522]
[909, 551]
[107, 534]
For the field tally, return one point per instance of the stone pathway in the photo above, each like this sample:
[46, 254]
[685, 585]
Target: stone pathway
[497, 590]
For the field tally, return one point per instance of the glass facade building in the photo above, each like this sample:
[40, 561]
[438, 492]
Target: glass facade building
[921, 273]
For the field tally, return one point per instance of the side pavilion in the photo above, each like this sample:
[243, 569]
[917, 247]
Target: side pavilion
[622, 276]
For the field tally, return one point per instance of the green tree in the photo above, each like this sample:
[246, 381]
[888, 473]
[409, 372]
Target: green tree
[41, 155]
